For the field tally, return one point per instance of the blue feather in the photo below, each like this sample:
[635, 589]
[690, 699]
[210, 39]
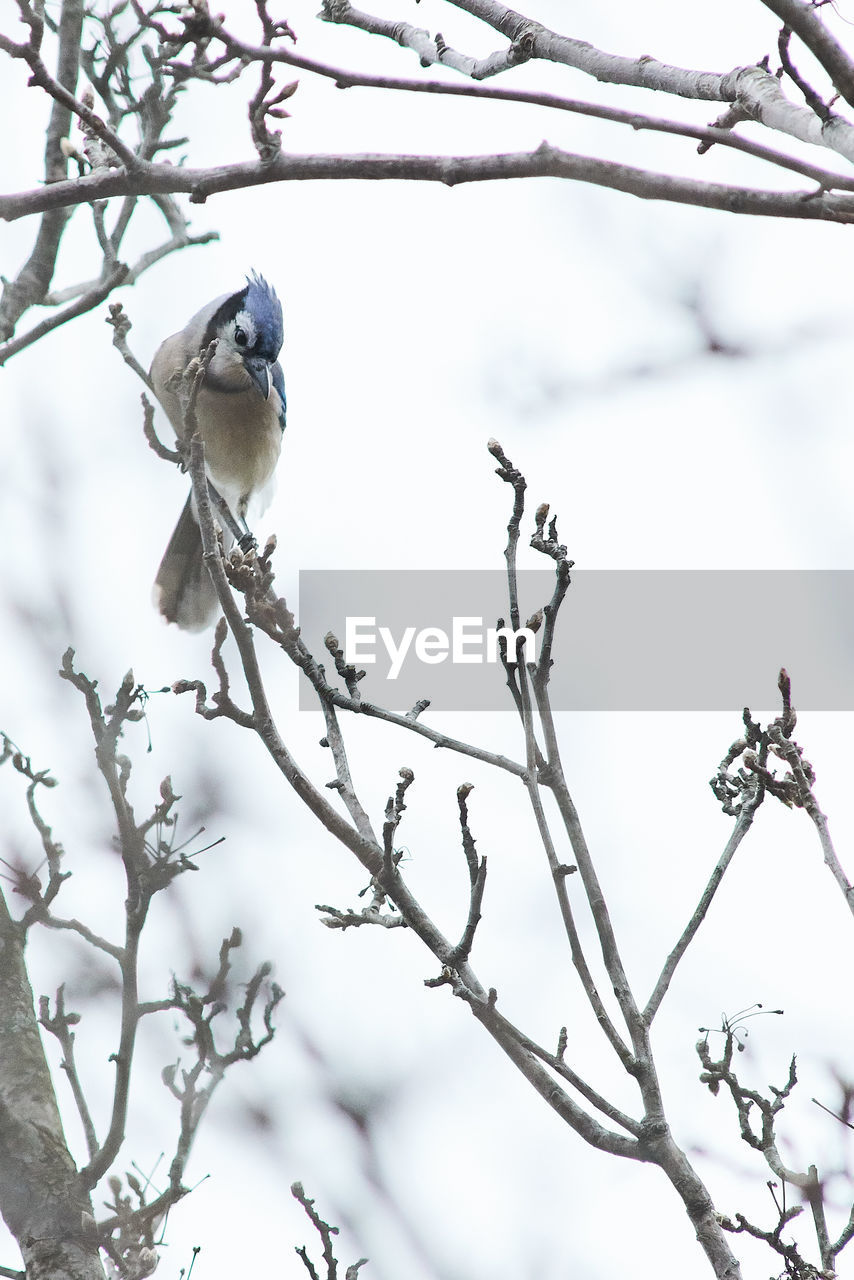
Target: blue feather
[263, 305]
[279, 384]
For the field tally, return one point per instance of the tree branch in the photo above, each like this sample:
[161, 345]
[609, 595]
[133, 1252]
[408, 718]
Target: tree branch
[60, 1025]
[33, 280]
[742, 826]
[545, 162]
[805, 20]
[88, 302]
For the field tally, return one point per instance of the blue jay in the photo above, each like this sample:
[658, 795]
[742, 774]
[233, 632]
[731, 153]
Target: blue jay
[241, 416]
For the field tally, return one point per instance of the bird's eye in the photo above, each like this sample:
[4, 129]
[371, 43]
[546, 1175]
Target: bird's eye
[240, 336]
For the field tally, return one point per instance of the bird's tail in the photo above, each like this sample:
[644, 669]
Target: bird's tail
[183, 590]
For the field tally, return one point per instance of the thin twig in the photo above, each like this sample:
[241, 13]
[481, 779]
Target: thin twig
[740, 830]
[334, 739]
[59, 1025]
[87, 303]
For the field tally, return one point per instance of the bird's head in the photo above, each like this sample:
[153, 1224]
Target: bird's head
[250, 330]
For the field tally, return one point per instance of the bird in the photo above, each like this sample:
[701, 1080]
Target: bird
[240, 413]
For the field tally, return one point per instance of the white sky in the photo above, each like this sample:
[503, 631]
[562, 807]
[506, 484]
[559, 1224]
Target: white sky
[419, 322]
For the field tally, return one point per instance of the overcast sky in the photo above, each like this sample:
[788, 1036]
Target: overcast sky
[568, 323]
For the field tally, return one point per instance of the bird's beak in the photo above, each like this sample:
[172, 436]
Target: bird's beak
[259, 371]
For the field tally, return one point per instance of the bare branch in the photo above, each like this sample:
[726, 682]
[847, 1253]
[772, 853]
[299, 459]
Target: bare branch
[757, 752]
[752, 91]
[326, 1233]
[88, 302]
[276, 620]
[484, 1008]
[343, 784]
[545, 162]
[557, 1063]
[813, 100]
[477, 878]
[83, 930]
[742, 826]
[805, 20]
[750, 1102]
[64, 97]
[334, 918]
[546, 771]
[33, 280]
[121, 325]
[430, 49]
[39, 1185]
[146, 260]
[59, 1025]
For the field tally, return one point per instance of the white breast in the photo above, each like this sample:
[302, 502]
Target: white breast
[243, 440]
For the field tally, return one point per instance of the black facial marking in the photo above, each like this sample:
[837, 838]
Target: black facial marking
[229, 309]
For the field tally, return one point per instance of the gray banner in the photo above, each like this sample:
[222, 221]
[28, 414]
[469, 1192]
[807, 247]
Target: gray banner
[625, 640]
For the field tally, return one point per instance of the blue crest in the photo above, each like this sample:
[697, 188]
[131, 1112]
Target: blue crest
[262, 303]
